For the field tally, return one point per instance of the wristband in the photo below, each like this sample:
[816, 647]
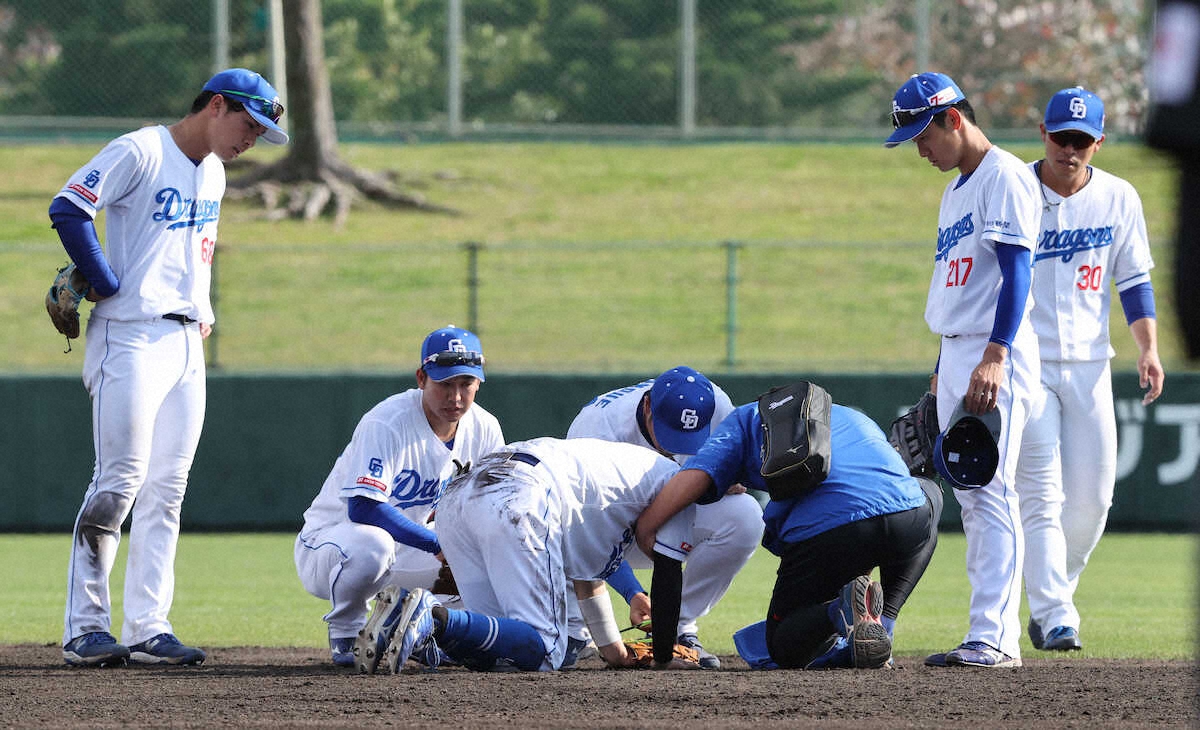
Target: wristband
[597, 613]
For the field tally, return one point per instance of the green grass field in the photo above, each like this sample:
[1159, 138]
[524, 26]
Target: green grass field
[596, 258]
[1137, 598]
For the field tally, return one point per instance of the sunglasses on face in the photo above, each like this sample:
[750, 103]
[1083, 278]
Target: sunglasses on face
[1072, 139]
[269, 108]
[450, 358]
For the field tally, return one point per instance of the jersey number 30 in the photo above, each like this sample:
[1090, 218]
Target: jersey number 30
[1090, 278]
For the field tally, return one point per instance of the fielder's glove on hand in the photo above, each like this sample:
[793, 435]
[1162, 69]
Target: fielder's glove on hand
[684, 657]
[62, 301]
[914, 434]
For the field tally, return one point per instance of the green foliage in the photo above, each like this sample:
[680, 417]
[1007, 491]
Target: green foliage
[107, 59]
[383, 63]
[596, 258]
[1137, 597]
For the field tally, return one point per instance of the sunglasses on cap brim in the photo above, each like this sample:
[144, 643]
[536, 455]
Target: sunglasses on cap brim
[269, 108]
[905, 117]
[450, 358]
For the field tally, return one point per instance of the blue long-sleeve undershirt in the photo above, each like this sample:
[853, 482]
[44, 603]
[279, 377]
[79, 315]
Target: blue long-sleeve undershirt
[1016, 268]
[77, 231]
[367, 511]
[625, 582]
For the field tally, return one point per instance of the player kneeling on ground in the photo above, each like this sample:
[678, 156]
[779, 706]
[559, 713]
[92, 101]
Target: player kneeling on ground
[525, 521]
[831, 521]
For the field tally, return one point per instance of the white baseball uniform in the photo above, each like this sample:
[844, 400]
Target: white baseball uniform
[145, 374]
[395, 457]
[518, 528]
[1089, 241]
[997, 203]
[726, 532]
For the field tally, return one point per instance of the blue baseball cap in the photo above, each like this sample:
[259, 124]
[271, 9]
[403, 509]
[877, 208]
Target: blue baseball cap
[681, 407]
[1076, 109]
[252, 91]
[452, 351]
[966, 453]
[916, 103]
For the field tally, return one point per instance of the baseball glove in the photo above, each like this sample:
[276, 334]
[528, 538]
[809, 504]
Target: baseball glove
[914, 434]
[62, 301]
[445, 583]
[684, 657]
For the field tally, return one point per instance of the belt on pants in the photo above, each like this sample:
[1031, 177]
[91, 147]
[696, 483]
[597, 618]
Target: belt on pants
[524, 458]
[180, 318]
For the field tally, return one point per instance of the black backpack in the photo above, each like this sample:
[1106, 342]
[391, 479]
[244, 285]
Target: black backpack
[796, 438]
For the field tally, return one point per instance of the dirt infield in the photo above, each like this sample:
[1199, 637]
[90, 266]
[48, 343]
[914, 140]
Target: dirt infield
[257, 687]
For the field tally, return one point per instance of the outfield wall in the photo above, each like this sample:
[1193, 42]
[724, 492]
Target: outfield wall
[270, 440]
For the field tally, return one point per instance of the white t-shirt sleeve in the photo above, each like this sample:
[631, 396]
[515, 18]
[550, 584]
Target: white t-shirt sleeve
[674, 538]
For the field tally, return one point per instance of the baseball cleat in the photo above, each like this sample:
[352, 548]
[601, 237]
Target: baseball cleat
[707, 660]
[936, 660]
[413, 634]
[95, 649]
[373, 639]
[165, 649]
[341, 650]
[1062, 638]
[861, 608]
[1036, 637]
[571, 657]
[979, 654]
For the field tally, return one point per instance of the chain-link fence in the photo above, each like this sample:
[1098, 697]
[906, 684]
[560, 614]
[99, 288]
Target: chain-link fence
[687, 69]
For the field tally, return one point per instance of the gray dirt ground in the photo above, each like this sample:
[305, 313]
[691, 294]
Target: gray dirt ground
[266, 687]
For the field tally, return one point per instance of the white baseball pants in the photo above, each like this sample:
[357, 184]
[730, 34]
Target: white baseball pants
[146, 380]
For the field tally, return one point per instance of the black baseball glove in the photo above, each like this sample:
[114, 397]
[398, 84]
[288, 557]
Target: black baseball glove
[914, 434]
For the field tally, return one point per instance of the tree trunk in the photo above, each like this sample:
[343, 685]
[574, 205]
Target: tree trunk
[310, 106]
[312, 179]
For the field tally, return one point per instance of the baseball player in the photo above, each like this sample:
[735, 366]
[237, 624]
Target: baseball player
[978, 303]
[1093, 236]
[867, 513]
[673, 414]
[144, 363]
[524, 522]
[368, 526]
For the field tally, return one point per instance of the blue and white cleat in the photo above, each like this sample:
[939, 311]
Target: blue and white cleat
[1036, 637]
[165, 649]
[373, 639]
[341, 650]
[979, 654]
[95, 649]
[708, 660]
[413, 636]
[1062, 638]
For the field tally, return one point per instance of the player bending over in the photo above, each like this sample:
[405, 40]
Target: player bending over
[825, 612]
[674, 414]
[523, 523]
